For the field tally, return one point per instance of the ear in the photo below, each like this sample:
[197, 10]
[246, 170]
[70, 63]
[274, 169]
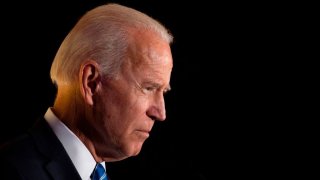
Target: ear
[89, 78]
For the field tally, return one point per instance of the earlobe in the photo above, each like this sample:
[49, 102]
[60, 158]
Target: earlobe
[89, 80]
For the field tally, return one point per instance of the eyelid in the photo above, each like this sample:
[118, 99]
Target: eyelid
[150, 88]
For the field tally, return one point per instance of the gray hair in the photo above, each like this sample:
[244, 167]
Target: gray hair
[102, 35]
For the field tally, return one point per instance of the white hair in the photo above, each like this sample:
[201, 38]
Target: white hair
[102, 35]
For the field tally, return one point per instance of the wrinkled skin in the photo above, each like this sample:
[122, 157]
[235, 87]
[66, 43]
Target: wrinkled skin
[125, 108]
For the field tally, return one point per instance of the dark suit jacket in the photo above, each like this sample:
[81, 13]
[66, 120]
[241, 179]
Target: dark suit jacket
[37, 155]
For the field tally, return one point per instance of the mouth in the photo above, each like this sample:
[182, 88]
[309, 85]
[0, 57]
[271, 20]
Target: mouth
[143, 133]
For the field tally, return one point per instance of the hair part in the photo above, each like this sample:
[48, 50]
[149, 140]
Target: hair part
[102, 35]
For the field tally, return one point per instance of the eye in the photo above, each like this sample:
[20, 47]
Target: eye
[148, 89]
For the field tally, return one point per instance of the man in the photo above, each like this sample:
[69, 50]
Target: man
[111, 72]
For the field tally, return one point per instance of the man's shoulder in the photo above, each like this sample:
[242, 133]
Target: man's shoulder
[38, 154]
[27, 145]
[25, 156]
[17, 147]
[14, 155]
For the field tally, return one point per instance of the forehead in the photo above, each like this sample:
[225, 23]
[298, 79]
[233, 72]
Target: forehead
[147, 48]
[148, 59]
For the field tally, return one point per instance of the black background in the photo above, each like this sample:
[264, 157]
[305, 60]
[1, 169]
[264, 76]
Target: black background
[227, 109]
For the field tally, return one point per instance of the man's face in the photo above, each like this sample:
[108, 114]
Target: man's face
[129, 105]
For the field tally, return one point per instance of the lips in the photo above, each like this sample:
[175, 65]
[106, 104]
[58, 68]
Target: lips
[144, 133]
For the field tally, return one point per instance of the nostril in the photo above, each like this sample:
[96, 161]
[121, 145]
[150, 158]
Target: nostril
[153, 118]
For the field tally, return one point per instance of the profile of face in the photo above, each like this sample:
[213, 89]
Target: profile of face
[128, 106]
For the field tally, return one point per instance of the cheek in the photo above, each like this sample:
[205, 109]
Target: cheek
[138, 108]
[134, 105]
[131, 117]
[123, 113]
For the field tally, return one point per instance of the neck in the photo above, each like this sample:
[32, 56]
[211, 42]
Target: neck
[70, 109]
[65, 106]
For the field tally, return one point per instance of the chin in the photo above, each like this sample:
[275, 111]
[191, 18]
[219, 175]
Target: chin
[133, 149]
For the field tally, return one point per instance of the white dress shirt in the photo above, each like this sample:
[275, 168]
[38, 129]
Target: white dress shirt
[77, 151]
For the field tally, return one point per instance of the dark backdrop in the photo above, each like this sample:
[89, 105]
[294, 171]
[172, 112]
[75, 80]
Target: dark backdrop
[222, 113]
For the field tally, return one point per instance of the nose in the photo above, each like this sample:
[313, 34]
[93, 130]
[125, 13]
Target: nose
[157, 109]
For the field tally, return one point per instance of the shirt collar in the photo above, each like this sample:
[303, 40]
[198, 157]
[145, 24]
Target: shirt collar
[77, 151]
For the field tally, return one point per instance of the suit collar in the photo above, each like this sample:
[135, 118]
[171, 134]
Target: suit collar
[59, 164]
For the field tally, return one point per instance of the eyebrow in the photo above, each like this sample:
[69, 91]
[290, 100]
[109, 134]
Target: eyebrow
[168, 88]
